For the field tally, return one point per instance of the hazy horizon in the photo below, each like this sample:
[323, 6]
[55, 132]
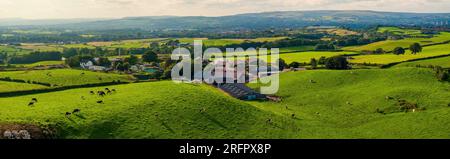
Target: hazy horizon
[94, 9]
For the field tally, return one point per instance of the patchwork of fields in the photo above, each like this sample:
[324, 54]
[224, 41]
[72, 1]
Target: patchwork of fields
[301, 57]
[316, 104]
[305, 57]
[430, 51]
[223, 42]
[389, 45]
[400, 31]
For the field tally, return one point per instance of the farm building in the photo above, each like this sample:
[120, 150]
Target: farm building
[90, 66]
[240, 91]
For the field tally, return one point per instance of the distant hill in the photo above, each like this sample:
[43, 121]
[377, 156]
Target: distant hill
[286, 19]
[41, 22]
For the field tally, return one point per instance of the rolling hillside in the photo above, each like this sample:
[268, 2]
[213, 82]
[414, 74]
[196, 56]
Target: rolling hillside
[157, 110]
[338, 104]
[344, 104]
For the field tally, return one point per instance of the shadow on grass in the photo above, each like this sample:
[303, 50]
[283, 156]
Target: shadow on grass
[71, 120]
[103, 130]
[167, 127]
[80, 116]
[214, 120]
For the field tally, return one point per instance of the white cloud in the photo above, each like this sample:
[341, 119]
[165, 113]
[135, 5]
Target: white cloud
[39, 9]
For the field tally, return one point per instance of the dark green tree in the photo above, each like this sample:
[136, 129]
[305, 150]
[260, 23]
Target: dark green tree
[132, 60]
[441, 73]
[150, 56]
[399, 51]
[313, 63]
[379, 51]
[294, 65]
[337, 63]
[282, 64]
[103, 61]
[415, 48]
[322, 60]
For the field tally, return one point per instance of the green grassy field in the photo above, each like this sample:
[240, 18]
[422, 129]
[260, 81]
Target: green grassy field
[78, 46]
[13, 86]
[343, 104]
[65, 77]
[222, 42]
[296, 49]
[444, 62]
[40, 47]
[41, 63]
[127, 44]
[431, 51]
[144, 43]
[307, 56]
[400, 31]
[389, 45]
[157, 110]
[302, 57]
[340, 104]
[13, 50]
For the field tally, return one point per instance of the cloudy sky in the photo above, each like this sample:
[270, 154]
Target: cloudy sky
[51, 9]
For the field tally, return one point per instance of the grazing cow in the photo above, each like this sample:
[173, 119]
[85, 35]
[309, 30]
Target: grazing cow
[100, 102]
[92, 92]
[75, 111]
[109, 92]
[68, 114]
[31, 104]
[101, 93]
[106, 89]
[113, 90]
[34, 100]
